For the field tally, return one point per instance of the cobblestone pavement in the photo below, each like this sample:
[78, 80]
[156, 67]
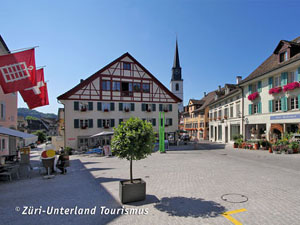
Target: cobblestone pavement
[183, 187]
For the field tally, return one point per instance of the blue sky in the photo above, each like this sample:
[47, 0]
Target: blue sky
[218, 40]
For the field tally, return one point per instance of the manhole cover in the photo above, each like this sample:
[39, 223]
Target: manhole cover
[234, 198]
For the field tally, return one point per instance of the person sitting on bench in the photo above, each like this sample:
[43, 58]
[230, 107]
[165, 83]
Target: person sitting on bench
[61, 163]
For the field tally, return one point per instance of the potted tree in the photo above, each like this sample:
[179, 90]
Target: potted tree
[294, 146]
[238, 139]
[133, 140]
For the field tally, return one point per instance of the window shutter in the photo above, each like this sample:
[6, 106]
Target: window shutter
[120, 121]
[270, 82]
[270, 105]
[112, 106]
[299, 101]
[112, 122]
[99, 106]
[259, 86]
[259, 107]
[90, 106]
[170, 107]
[132, 107]
[76, 106]
[153, 107]
[154, 122]
[99, 121]
[250, 89]
[120, 106]
[143, 107]
[76, 123]
[283, 79]
[298, 77]
[170, 122]
[250, 109]
[284, 104]
[160, 107]
[90, 123]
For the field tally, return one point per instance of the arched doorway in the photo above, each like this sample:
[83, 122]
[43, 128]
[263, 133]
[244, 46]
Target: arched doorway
[276, 131]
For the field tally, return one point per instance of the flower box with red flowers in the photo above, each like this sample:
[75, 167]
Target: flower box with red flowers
[126, 110]
[106, 126]
[165, 110]
[84, 127]
[275, 90]
[225, 117]
[83, 109]
[105, 110]
[291, 86]
[219, 118]
[253, 96]
[148, 110]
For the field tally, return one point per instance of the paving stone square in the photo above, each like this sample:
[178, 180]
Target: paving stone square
[183, 187]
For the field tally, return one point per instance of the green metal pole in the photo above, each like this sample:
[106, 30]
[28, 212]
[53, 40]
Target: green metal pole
[159, 131]
[163, 133]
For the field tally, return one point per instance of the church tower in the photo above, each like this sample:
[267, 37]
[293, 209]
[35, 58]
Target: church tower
[176, 83]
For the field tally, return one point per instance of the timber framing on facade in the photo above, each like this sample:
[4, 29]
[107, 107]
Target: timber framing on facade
[124, 80]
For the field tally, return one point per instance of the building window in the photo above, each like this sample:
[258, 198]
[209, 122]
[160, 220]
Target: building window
[283, 56]
[220, 114]
[126, 89]
[277, 81]
[211, 131]
[231, 111]
[136, 87]
[215, 115]
[126, 66]
[106, 85]
[116, 86]
[291, 77]
[219, 132]
[2, 112]
[83, 124]
[255, 108]
[277, 105]
[146, 88]
[234, 130]
[177, 87]
[238, 113]
[293, 103]
[225, 113]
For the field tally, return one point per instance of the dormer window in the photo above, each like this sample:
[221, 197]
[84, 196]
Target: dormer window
[283, 56]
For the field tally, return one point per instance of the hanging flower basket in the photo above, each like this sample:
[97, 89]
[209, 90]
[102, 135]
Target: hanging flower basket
[291, 86]
[253, 96]
[275, 90]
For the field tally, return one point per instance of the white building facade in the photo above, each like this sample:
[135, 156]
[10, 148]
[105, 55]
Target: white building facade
[272, 94]
[225, 115]
[120, 90]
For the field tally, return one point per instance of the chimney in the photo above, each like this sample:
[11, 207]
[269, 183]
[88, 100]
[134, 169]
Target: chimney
[219, 88]
[204, 94]
[238, 79]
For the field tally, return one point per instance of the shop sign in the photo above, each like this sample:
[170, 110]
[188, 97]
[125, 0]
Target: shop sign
[285, 117]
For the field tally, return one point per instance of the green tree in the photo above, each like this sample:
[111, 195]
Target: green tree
[133, 140]
[31, 118]
[41, 136]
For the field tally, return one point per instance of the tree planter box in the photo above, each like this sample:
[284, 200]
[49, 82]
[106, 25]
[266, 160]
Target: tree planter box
[132, 192]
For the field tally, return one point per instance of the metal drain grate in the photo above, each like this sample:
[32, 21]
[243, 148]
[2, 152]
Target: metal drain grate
[234, 198]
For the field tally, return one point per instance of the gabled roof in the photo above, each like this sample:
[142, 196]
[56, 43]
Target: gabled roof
[98, 73]
[4, 44]
[271, 63]
[207, 100]
[196, 101]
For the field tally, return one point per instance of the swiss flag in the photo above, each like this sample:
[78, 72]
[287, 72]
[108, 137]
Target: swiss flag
[38, 95]
[17, 71]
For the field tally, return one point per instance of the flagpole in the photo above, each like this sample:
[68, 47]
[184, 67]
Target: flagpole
[22, 49]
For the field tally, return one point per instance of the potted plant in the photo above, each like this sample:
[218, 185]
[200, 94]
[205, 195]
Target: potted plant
[256, 145]
[133, 140]
[294, 146]
[270, 147]
[238, 140]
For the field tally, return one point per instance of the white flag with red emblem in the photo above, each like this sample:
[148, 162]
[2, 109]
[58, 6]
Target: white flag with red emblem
[17, 71]
[38, 95]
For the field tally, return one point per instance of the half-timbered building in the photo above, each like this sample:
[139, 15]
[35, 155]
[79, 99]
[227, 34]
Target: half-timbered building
[120, 90]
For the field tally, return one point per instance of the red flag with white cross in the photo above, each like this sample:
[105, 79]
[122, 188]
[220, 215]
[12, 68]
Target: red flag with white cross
[17, 71]
[38, 95]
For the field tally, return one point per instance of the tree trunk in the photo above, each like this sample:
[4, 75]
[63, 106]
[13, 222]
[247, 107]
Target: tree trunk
[131, 170]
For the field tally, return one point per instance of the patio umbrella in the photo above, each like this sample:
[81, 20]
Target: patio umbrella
[103, 133]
